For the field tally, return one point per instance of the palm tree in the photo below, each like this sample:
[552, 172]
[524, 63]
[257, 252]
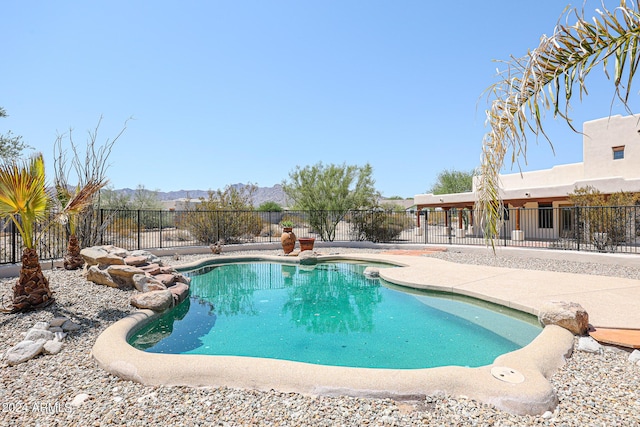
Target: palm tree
[24, 200]
[73, 204]
[545, 78]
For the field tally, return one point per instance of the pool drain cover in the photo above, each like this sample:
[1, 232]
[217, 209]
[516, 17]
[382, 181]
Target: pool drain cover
[507, 374]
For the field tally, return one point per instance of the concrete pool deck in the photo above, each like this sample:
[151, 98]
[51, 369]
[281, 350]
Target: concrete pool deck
[524, 390]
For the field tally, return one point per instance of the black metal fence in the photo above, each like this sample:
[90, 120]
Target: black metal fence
[601, 229]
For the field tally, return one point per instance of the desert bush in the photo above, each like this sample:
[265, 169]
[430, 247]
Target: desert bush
[378, 225]
[225, 215]
[607, 222]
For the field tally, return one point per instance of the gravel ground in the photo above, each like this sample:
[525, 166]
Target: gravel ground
[593, 389]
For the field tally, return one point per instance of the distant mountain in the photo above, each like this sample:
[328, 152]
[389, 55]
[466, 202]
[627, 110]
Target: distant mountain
[262, 194]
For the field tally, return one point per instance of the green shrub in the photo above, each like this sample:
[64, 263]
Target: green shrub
[269, 207]
[225, 215]
[378, 226]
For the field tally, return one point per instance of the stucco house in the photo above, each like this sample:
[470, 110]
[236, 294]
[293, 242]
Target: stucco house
[611, 163]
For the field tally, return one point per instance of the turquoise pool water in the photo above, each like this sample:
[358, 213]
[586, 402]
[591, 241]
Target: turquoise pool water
[330, 314]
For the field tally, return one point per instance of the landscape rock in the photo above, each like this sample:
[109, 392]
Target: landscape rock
[92, 254]
[123, 274]
[181, 278]
[110, 259]
[151, 258]
[57, 321]
[166, 279]
[100, 276]
[308, 258]
[634, 357]
[569, 315]
[144, 283]
[37, 334]
[371, 272]
[589, 345]
[41, 325]
[52, 347]
[154, 300]
[135, 260]
[180, 292]
[151, 269]
[69, 326]
[23, 351]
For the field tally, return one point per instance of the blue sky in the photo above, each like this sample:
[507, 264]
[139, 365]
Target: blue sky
[225, 92]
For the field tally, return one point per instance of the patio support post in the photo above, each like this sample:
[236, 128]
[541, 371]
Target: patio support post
[460, 232]
[517, 234]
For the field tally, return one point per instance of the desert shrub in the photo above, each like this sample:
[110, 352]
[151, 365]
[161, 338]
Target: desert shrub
[378, 225]
[269, 207]
[225, 215]
[606, 222]
[122, 226]
[177, 236]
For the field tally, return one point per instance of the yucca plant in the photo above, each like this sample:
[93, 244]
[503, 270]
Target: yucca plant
[545, 79]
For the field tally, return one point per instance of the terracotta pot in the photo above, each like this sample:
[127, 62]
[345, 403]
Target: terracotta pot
[306, 243]
[288, 240]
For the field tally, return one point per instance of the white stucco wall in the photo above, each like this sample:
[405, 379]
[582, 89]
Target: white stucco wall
[600, 136]
[598, 169]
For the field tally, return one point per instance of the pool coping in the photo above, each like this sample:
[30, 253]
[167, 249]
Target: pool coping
[536, 362]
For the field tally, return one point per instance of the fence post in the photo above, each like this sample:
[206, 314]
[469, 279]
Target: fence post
[139, 231]
[426, 226]
[14, 244]
[101, 221]
[448, 222]
[160, 226]
[578, 231]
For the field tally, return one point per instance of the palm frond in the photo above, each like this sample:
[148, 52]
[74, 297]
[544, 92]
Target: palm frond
[78, 201]
[23, 196]
[546, 79]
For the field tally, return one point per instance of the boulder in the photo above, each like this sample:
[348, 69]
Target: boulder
[154, 300]
[144, 283]
[634, 357]
[41, 325]
[151, 269]
[69, 326]
[589, 345]
[180, 292]
[167, 270]
[37, 334]
[23, 351]
[52, 347]
[308, 258]
[123, 274]
[135, 260]
[57, 321]
[569, 315]
[151, 258]
[110, 259]
[181, 278]
[92, 254]
[166, 279]
[97, 275]
[116, 251]
[371, 272]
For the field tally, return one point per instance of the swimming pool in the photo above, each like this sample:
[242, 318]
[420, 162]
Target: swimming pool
[331, 314]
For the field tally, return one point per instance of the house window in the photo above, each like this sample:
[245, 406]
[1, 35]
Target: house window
[618, 152]
[545, 215]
